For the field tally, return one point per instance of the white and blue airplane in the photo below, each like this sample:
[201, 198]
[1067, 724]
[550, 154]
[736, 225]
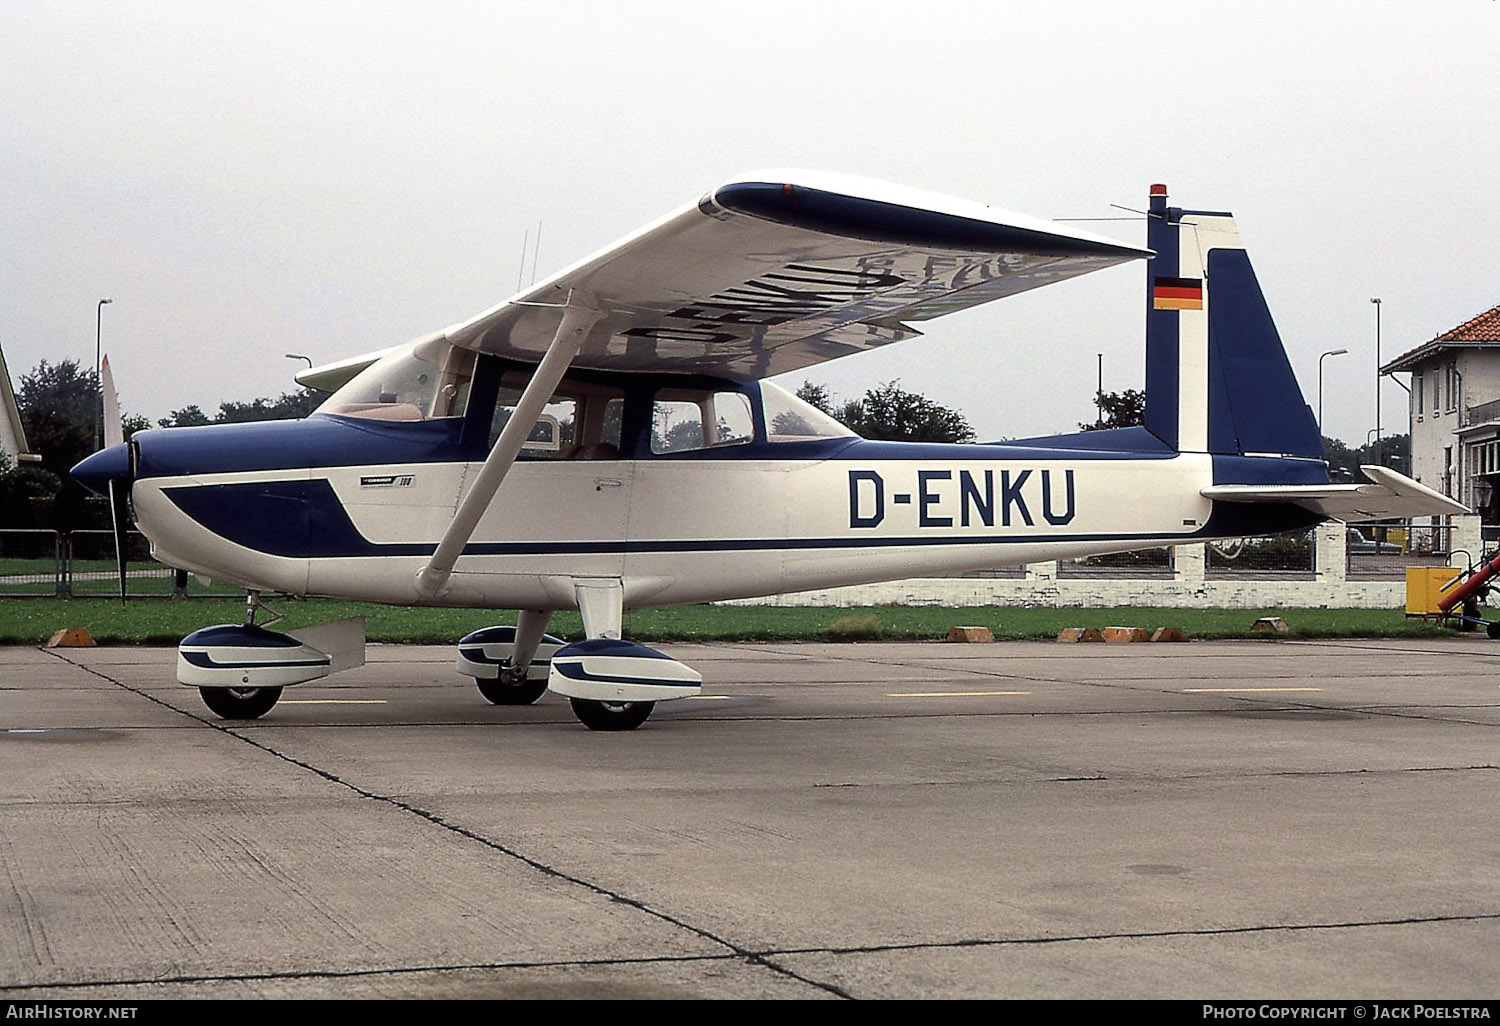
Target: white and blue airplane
[606, 440]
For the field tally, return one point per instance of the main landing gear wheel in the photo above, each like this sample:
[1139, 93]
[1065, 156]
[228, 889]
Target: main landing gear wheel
[240, 703]
[511, 688]
[611, 715]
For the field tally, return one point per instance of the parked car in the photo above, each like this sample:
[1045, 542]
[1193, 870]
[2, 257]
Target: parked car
[1356, 541]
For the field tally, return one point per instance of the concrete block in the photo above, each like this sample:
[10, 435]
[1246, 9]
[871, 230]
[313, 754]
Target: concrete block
[1117, 635]
[1168, 634]
[71, 637]
[979, 635]
[1080, 634]
[1270, 623]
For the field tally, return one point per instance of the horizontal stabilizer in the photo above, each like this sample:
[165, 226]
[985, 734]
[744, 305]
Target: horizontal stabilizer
[1390, 495]
[330, 377]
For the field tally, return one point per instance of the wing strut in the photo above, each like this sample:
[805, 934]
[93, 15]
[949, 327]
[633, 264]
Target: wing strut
[576, 322]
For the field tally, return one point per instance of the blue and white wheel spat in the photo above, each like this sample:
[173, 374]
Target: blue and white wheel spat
[615, 671]
[482, 653]
[237, 656]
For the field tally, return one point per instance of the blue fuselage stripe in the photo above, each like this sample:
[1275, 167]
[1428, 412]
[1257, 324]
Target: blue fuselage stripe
[208, 662]
[574, 671]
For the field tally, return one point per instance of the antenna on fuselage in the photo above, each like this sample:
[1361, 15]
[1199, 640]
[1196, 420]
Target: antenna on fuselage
[521, 271]
[536, 249]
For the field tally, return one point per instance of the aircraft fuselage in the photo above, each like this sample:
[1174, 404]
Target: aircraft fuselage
[674, 527]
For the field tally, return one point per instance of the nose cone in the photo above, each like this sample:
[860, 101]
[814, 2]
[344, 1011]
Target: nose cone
[98, 470]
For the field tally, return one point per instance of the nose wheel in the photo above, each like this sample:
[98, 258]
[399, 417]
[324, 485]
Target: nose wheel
[240, 703]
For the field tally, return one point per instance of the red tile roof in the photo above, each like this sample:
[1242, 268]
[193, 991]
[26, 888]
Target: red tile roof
[1484, 328]
[1477, 331]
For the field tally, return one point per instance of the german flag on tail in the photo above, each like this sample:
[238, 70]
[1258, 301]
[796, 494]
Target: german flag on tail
[1177, 294]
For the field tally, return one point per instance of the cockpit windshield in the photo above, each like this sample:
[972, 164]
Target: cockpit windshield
[420, 381]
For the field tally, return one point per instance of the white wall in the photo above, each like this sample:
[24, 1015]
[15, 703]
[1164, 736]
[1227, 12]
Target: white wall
[1189, 587]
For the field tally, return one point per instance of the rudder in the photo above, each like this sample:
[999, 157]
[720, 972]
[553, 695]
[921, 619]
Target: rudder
[1217, 375]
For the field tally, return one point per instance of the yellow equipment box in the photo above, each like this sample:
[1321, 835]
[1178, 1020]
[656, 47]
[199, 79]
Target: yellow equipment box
[1425, 585]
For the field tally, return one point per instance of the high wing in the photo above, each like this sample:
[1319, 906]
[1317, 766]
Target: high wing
[781, 270]
[1390, 495]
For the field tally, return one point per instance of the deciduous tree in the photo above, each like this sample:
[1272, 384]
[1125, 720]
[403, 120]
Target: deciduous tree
[1119, 409]
[890, 413]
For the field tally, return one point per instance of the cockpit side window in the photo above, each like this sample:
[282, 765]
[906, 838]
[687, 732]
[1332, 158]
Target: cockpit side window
[580, 422]
[683, 420]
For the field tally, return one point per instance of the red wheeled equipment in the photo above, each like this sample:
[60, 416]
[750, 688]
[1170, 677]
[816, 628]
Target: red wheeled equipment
[1465, 591]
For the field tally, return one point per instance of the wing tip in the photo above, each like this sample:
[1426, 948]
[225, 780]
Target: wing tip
[850, 204]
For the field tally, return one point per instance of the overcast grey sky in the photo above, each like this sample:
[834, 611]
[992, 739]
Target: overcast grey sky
[248, 180]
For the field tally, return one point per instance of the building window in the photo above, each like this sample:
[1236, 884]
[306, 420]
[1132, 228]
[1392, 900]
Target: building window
[1452, 387]
[1417, 394]
[1486, 459]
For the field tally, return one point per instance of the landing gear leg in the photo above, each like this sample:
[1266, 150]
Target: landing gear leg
[253, 605]
[245, 703]
[602, 603]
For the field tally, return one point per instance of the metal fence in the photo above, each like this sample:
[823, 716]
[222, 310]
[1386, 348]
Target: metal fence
[31, 562]
[36, 563]
[1387, 549]
[1282, 555]
[1139, 563]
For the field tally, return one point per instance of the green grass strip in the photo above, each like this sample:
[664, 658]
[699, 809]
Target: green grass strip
[28, 621]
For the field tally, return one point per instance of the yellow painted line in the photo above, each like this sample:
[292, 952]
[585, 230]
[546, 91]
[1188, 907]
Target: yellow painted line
[333, 701]
[951, 694]
[1194, 691]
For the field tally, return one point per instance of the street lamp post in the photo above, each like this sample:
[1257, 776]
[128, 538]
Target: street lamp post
[99, 407]
[1376, 301]
[1099, 395]
[1331, 352]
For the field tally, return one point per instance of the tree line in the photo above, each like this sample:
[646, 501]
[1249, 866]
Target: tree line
[60, 410]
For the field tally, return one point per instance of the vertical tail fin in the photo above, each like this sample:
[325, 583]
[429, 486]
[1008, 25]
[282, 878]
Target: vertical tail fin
[1217, 376]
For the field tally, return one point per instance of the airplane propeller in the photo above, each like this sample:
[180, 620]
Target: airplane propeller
[119, 486]
[119, 515]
